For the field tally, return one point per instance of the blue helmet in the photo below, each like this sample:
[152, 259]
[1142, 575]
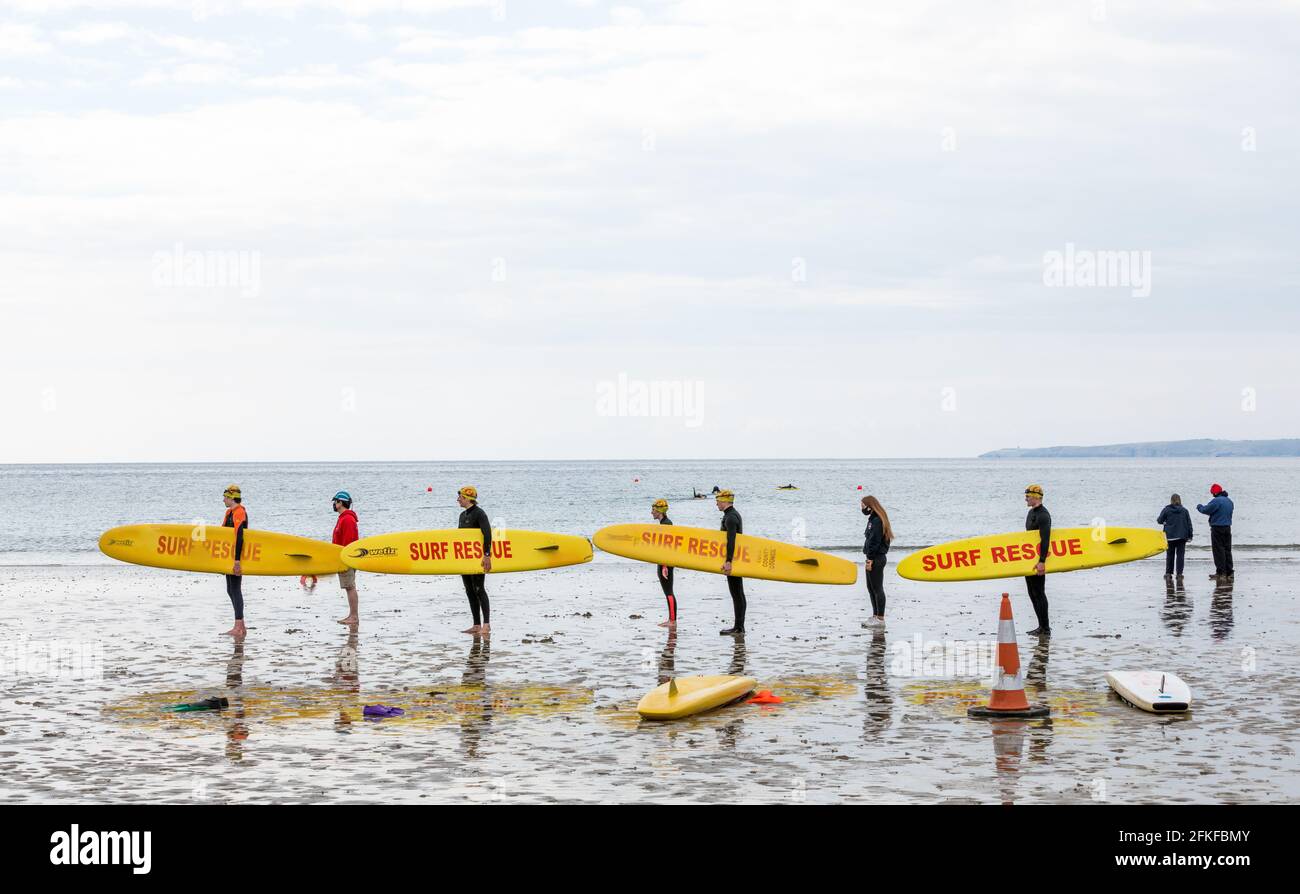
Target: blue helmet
[344, 497]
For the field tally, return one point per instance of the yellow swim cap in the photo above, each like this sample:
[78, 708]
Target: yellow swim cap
[725, 496]
[232, 492]
[1034, 490]
[660, 506]
[469, 493]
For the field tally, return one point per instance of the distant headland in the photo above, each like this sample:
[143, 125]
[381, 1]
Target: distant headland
[1197, 448]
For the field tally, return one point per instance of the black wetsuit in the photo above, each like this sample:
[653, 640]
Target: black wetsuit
[876, 549]
[1040, 520]
[235, 582]
[732, 524]
[475, 517]
[667, 582]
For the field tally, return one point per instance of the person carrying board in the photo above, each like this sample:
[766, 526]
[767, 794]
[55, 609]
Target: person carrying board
[236, 517]
[1040, 520]
[473, 516]
[345, 532]
[732, 524]
[659, 512]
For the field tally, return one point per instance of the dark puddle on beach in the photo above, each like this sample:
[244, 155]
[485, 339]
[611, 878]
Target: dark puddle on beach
[545, 709]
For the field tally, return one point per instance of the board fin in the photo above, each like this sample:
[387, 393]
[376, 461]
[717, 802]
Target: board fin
[672, 687]
[549, 546]
[298, 555]
[1117, 541]
[806, 562]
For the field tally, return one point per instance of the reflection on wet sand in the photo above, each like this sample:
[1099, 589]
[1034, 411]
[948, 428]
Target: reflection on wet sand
[729, 734]
[472, 702]
[234, 719]
[852, 726]
[1177, 608]
[475, 722]
[668, 658]
[346, 676]
[1008, 749]
[1221, 610]
[879, 701]
[1036, 670]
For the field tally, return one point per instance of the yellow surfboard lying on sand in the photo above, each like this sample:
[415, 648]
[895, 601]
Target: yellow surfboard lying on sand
[704, 549]
[211, 549]
[1014, 554]
[460, 551]
[684, 696]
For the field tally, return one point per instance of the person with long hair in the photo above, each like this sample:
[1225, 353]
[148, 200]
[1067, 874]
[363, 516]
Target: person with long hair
[879, 534]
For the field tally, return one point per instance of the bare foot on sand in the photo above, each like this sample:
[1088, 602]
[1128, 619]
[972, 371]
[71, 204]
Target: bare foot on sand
[667, 623]
[239, 631]
[476, 629]
[350, 619]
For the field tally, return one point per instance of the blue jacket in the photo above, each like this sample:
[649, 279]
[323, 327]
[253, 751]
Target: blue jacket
[1177, 521]
[1219, 510]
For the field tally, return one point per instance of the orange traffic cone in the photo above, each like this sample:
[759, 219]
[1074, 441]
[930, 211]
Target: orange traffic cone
[1008, 696]
[765, 697]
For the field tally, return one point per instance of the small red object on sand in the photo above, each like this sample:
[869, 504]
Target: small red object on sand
[765, 697]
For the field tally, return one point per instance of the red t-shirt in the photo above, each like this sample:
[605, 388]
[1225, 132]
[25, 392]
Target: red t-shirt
[345, 529]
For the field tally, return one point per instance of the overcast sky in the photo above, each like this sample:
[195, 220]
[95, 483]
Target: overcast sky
[462, 229]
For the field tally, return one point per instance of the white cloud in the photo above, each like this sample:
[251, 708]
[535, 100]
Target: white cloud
[196, 48]
[553, 202]
[94, 33]
[21, 40]
[189, 74]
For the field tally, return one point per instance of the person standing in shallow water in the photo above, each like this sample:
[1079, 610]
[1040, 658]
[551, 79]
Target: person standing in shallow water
[345, 533]
[659, 512]
[1177, 522]
[1219, 509]
[1040, 520]
[474, 517]
[236, 517]
[732, 524]
[879, 534]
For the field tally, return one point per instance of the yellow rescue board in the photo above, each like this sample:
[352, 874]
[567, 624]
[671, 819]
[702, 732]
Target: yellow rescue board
[460, 551]
[684, 696]
[704, 549]
[210, 549]
[1014, 554]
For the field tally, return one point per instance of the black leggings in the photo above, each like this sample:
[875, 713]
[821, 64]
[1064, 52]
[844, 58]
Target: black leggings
[478, 598]
[876, 584]
[667, 584]
[235, 590]
[737, 587]
[1036, 584]
[1174, 556]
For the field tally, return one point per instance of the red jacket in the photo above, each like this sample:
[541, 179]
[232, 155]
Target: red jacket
[345, 529]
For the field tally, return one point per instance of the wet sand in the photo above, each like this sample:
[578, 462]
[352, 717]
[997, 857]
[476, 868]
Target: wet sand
[544, 711]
